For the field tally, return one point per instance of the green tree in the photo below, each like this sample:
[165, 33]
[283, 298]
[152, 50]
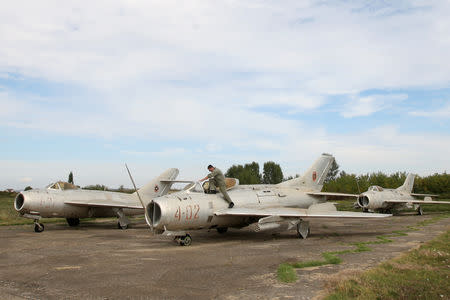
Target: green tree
[28, 188]
[247, 174]
[70, 180]
[272, 173]
[334, 171]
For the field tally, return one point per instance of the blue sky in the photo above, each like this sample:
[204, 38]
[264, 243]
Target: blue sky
[158, 84]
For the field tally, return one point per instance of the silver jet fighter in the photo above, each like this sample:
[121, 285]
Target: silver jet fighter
[63, 200]
[278, 207]
[378, 199]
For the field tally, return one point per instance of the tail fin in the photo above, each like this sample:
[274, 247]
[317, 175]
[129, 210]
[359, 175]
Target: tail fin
[157, 187]
[313, 179]
[408, 184]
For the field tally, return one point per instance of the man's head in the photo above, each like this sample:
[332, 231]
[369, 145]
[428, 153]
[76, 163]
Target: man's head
[211, 168]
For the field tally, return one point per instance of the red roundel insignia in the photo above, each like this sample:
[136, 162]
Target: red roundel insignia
[156, 188]
[314, 176]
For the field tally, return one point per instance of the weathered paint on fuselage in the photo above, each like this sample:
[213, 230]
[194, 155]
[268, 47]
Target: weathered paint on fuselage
[49, 203]
[188, 210]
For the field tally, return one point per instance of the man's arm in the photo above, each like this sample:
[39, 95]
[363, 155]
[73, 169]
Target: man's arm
[203, 179]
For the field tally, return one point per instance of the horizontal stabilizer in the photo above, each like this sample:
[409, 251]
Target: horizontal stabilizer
[423, 195]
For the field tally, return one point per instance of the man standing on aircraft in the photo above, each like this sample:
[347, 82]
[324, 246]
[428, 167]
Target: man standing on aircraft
[216, 179]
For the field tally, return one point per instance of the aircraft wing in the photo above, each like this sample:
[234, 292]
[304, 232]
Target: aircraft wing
[423, 195]
[103, 203]
[417, 201]
[322, 210]
[332, 194]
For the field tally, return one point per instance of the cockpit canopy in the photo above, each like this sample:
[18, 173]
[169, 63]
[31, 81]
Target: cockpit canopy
[197, 187]
[61, 185]
[375, 188]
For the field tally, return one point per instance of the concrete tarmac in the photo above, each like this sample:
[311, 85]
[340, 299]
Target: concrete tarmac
[98, 261]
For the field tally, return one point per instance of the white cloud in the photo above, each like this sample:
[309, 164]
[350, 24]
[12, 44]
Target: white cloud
[443, 112]
[345, 46]
[368, 105]
[217, 74]
[26, 179]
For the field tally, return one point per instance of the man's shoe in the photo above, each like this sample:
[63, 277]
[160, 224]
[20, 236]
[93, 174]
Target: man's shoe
[231, 205]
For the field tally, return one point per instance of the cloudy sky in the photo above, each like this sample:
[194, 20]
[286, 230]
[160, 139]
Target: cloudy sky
[89, 85]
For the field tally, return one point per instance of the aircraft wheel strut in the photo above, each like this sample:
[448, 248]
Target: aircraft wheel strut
[303, 230]
[419, 211]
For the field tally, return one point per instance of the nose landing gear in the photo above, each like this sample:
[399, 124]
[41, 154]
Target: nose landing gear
[184, 240]
[38, 227]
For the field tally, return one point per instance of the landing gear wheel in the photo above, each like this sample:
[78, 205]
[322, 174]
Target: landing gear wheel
[38, 227]
[420, 211]
[73, 222]
[365, 209]
[122, 226]
[303, 230]
[222, 230]
[186, 240]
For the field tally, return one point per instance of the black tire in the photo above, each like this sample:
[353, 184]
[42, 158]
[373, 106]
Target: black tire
[186, 240]
[73, 222]
[121, 226]
[222, 230]
[38, 227]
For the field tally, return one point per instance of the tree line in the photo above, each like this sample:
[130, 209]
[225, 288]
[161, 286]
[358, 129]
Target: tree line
[336, 180]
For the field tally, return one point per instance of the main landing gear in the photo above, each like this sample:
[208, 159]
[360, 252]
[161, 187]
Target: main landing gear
[420, 211]
[183, 240]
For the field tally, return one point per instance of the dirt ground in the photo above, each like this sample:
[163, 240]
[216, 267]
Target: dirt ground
[98, 261]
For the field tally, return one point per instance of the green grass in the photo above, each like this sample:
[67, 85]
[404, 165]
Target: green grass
[286, 271]
[419, 274]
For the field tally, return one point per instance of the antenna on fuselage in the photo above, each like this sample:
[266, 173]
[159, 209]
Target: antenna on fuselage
[137, 193]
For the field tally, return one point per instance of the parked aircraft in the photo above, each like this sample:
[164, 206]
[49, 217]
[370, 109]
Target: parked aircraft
[283, 206]
[378, 199]
[64, 200]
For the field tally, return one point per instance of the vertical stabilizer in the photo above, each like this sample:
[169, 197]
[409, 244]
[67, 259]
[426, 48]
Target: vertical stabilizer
[408, 184]
[158, 186]
[313, 178]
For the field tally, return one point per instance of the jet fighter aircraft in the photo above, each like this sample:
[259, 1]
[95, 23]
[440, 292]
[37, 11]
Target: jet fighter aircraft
[64, 200]
[283, 206]
[378, 199]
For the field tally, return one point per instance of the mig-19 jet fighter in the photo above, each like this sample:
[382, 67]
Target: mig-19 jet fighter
[378, 199]
[284, 206]
[64, 200]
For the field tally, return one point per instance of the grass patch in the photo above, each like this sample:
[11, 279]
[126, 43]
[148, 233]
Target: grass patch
[286, 273]
[419, 274]
[331, 258]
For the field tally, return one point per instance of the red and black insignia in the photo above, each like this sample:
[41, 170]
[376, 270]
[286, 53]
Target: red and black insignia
[156, 188]
[314, 176]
